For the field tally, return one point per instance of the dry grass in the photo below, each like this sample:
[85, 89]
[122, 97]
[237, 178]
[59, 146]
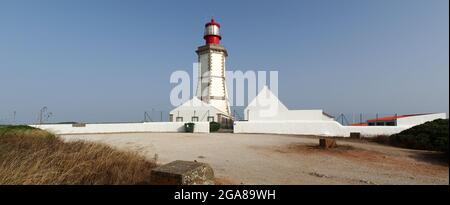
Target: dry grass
[34, 156]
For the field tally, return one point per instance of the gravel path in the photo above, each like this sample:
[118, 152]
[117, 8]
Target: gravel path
[283, 159]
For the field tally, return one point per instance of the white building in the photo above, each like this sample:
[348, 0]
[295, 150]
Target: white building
[196, 110]
[267, 114]
[403, 120]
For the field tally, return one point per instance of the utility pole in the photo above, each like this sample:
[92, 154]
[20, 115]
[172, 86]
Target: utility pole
[41, 113]
[395, 119]
[151, 116]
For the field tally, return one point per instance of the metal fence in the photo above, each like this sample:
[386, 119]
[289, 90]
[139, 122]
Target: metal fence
[162, 115]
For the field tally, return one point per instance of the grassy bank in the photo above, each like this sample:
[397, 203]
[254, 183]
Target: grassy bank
[33, 156]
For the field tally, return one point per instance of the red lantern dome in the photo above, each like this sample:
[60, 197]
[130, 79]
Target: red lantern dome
[212, 32]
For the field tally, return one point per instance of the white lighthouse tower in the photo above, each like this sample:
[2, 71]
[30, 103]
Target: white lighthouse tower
[211, 87]
[211, 99]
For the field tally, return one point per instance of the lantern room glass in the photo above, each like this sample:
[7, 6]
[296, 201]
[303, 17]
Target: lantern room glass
[212, 30]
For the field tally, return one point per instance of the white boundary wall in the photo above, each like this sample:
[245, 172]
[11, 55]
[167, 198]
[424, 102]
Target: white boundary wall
[320, 128]
[199, 127]
[330, 128]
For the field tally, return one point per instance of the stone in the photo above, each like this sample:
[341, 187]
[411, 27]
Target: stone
[326, 143]
[183, 173]
[355, 135]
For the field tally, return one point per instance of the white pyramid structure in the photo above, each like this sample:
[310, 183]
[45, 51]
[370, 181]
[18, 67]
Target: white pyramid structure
[265, 105]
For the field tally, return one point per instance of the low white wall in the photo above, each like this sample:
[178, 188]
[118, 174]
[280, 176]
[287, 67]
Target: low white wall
[199, 127]
[371, 131]
[330, 127]
[321, 128]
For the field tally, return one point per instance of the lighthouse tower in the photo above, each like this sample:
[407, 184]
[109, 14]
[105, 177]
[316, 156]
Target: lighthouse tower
[211, 87]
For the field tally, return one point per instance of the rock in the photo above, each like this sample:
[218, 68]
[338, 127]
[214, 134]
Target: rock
[366, 182]
[183, 173]
[318, 175]
[326, 143]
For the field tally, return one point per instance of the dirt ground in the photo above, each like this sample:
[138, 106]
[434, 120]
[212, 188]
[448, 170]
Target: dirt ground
[284, 159]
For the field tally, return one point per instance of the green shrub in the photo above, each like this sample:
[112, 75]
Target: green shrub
[382, 139]
[16, 129]
[214, 126]
[67, 123]
[431, 135]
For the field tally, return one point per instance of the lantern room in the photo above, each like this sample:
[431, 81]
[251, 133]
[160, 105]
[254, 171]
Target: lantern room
[212, 32]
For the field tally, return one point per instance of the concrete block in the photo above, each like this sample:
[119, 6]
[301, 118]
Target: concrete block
[326, 143]
[183, 173]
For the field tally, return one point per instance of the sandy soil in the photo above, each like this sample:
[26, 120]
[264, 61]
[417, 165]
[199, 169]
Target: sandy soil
[283, 159]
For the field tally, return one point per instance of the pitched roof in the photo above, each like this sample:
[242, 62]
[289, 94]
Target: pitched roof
[195, 102]
[266, 97]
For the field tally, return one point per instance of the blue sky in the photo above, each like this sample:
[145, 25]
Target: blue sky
[97, 61]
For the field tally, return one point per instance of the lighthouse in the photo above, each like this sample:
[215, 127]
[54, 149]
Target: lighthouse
[210, 103]
[211, 87]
